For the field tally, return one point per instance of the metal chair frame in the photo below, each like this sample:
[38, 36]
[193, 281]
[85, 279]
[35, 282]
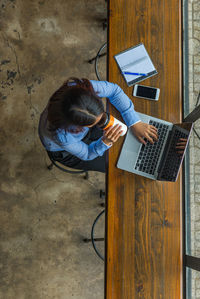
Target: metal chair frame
[93, 240]
[54, 163]
[96, 59]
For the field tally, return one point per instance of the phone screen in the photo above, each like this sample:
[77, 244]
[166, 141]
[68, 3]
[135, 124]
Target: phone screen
[146, 92]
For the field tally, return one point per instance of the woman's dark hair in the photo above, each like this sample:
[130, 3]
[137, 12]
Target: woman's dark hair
[74, 103]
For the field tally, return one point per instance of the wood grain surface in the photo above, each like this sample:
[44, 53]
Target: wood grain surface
[143, 219]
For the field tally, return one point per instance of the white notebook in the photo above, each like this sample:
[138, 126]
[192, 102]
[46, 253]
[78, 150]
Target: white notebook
[135, 60]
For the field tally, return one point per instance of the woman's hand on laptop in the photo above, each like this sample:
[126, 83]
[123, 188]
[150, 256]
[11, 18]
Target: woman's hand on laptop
[180, 146]
[142, 130]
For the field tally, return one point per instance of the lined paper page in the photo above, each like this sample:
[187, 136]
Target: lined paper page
[135, 60]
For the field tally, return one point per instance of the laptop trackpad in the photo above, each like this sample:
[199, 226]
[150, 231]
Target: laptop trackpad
[131, 143]
[128, 155]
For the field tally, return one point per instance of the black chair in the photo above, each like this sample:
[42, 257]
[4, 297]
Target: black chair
[96, 59]
[56, 163]
[102, 194]
[93, 239]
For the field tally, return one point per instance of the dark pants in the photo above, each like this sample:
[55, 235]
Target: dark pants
[72, 161]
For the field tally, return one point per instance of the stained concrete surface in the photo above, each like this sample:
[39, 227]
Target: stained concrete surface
[44, 214]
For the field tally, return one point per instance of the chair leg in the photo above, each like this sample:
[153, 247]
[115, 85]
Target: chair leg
[102, 194]
[93, 59]
[105, 24]
[50, 166]
[95, 239]
[86, 176]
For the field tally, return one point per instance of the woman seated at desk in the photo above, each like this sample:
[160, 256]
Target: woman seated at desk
[69, 128]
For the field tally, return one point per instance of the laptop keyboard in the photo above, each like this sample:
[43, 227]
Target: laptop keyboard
[150, 153]
[171, 165]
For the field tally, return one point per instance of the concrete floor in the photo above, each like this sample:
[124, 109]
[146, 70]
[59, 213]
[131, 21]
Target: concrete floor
[44, 214]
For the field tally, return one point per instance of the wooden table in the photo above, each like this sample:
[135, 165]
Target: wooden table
[144, 217]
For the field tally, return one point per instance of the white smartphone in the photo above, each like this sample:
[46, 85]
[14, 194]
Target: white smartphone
[146, 92]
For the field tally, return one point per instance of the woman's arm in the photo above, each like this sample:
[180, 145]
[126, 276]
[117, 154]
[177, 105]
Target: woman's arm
[125, 106]
[118, 99]
[84, 151]
[96, 148]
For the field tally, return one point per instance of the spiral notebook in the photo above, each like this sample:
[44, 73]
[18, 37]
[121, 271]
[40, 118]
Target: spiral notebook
[135, 60]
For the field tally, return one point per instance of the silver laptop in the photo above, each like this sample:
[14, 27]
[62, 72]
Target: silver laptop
[159, 161]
